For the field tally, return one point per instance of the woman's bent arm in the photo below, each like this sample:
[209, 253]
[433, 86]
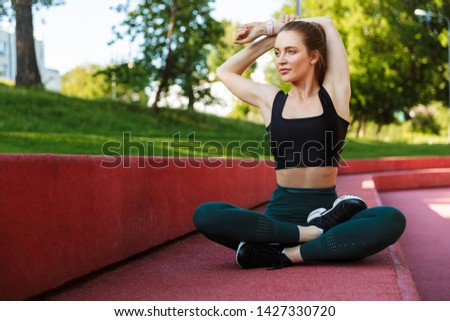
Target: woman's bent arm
[337, 76]
[253, 93]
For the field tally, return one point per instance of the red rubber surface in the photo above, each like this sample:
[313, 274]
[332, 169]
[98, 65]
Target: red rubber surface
[64, 217]
[426, 240]
[195, 268]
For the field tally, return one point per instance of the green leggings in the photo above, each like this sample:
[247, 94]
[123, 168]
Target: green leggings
[366, 233]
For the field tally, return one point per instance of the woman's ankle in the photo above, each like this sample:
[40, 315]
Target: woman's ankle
[293, 254]
[308, 233]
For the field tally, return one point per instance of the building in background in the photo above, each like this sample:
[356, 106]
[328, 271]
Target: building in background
[8, 64]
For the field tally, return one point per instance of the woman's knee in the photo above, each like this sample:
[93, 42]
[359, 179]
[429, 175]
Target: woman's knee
[387, 222]
[396, 217]
[395, 221]
[205, 216]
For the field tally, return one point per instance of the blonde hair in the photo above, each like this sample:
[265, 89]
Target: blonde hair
[314, 39]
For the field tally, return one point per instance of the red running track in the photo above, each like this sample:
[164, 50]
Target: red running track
[426, 241]
[194, 268]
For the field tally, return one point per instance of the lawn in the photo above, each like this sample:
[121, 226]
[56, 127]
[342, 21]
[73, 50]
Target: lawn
[36, 121]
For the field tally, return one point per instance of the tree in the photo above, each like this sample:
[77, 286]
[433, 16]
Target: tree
[94, 82]
[175, 38]
[85, 82]
[423, 119]
[27, 70]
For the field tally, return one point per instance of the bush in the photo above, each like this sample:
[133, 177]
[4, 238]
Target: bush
[424, 120]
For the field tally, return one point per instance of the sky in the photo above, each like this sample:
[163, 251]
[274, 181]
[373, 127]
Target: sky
[78, 32]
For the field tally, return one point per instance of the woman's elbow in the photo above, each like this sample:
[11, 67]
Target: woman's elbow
[219, 72]
[223, 73]
[326, 19]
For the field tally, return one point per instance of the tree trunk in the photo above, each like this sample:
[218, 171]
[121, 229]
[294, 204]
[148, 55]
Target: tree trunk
[361, 130]
[27, 69]
[191, 100]
[157, 98]
[377, 133]
[163, 83]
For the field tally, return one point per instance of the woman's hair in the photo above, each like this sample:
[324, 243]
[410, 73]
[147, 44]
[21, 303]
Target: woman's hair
[314, 38]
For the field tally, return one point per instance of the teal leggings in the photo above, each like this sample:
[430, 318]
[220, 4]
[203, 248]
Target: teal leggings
[366, 233]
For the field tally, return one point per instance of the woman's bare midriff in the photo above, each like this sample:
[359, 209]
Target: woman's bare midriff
[309, 177]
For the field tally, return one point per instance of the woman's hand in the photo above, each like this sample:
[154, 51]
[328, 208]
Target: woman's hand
[282, 21]
[285, 18]
[249, 32]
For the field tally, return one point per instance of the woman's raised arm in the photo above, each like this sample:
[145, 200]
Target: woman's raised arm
[230, 72]
[337, 77]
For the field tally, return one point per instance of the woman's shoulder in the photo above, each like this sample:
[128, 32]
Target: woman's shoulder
[270, 95]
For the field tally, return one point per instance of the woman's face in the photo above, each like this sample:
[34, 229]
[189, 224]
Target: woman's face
[293, 61]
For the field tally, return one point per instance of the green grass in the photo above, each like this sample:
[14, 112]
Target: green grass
[36, 121]
[365, 148]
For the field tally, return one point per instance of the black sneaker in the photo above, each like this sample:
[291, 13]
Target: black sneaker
[252, 255]
[343, 209]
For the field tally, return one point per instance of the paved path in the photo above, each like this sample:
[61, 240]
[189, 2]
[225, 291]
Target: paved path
[426, 241]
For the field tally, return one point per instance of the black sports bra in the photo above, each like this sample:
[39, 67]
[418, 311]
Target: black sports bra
[306, 142]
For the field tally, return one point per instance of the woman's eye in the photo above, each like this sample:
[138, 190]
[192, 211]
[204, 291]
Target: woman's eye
[291, 52]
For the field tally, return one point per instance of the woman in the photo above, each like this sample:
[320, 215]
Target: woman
[304, 220]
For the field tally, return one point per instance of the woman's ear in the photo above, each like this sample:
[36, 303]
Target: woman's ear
[315, 57]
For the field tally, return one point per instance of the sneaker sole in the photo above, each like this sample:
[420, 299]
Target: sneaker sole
[237, 252]
[318, 213]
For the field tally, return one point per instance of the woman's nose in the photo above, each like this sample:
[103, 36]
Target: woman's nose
[281, 60]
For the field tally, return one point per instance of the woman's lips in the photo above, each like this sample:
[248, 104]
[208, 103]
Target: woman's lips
[284, 71]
